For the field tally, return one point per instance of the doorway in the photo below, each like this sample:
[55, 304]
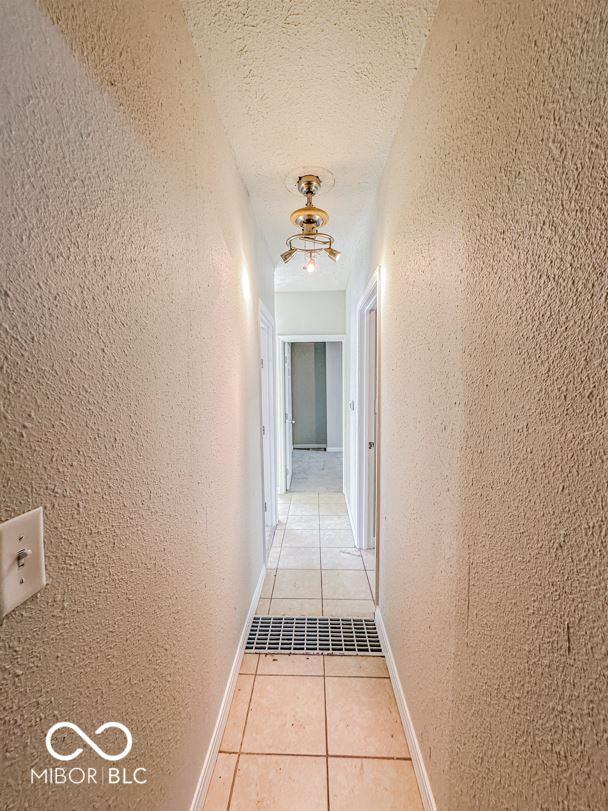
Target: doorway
[368, 353]
[268, 424]
[312, 403]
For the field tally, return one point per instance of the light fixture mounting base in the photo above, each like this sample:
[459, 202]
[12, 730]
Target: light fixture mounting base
[309, 184]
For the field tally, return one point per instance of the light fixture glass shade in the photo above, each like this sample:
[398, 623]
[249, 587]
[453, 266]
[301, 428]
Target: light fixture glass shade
[333, 254]
[310, 265]
[288, 255]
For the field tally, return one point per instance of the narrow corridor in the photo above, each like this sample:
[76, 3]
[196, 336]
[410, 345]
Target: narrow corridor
[314, 567]
[355, 251]
[308, 733]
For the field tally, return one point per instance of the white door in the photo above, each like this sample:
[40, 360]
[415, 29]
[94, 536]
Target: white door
[266, 389]
[288, 416]
[371, 412]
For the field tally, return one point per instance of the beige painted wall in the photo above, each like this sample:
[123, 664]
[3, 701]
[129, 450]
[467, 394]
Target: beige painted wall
[314, 313]
[493, 245]
[129, 346]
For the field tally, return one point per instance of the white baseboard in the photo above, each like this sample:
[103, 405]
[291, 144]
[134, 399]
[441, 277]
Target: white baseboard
[334, 450]
[214, 746]
[422, 777]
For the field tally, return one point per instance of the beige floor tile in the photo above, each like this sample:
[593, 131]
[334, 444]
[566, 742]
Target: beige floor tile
[335, 522]
[280, 783]
[382, 785]
[304, 498]
[263, 606]
[339, 558]
[268, 583]
[303, 509]
[331, 505]
[345, 586]
[349, 608]
[287, 715]
[297, 557]
[218, 793]
[249, 663]
[303, 522]
[278, 538]
[231, 739]
[295, 665]
[332, 498]
[363, 719]
[303, 607]
[356, 666]
[284, 498]
[273, 557]
[332, 509]
[337, 537]
[301, 537]
[296, 583]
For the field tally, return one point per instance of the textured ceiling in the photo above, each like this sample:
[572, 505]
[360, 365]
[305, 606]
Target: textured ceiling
[312, 84]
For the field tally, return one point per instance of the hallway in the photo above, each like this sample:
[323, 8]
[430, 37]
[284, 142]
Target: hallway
[304, 405]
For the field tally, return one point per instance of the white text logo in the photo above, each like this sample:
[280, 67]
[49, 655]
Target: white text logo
[85, 737]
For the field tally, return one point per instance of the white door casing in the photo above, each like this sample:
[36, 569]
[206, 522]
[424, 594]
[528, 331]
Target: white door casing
[288, 411]
[268, 424]
[367, 417]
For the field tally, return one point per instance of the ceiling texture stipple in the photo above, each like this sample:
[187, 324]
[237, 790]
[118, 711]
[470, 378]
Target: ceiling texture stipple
[310, 85]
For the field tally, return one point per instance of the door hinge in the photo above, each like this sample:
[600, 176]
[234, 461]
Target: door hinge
[371, 445]
[265, 507]
[261, 363]
[263, 430]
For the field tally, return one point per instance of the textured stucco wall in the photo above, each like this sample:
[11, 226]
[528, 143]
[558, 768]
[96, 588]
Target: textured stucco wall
[130, 407]
[493, 243]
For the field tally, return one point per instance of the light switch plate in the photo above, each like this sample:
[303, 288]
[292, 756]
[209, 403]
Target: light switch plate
[23, 534]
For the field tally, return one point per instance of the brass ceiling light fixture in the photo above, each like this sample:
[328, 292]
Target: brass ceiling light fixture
[310, 241]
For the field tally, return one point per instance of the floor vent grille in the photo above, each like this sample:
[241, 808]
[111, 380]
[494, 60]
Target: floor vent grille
[332, 635]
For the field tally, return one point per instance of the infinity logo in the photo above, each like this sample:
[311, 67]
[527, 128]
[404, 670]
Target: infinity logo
[85, 737]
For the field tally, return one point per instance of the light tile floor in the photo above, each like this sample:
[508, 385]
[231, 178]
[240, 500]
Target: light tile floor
[313, 733]
[314, 568]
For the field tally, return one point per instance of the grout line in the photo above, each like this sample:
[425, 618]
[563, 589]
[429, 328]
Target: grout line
[238, 753]
[232, 782]
[313, 675]
[326, 734]
[238, 756]
[325, 757]
[306, 675]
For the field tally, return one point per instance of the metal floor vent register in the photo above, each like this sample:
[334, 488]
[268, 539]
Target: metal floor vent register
[332, 635]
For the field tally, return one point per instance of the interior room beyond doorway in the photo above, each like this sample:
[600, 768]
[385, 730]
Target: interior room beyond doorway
[313, 394]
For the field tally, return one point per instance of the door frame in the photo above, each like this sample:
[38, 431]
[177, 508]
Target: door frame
[369, 300]
[269, 477]
[281, 449]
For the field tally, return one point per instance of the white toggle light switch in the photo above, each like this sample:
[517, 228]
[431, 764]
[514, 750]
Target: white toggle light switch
[21, 559]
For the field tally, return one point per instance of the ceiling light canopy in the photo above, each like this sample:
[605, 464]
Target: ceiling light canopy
[310, 241]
